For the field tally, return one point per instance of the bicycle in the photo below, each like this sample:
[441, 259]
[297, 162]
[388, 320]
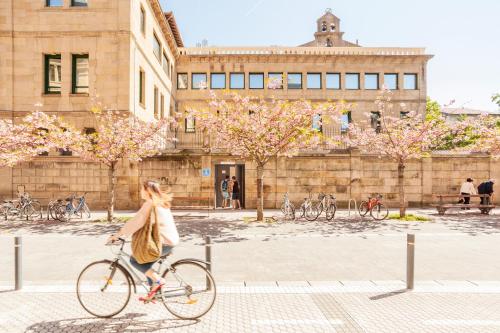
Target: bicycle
[64, 212]
[25, 206]
[287, 208]
[329, 201]
[104, 287]
[377, 209]
[308, 210]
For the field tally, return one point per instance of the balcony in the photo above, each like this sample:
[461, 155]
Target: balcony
[200, 141]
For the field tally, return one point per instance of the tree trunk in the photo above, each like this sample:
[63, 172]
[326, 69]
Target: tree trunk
[260, 193]
[401, 180]
[112, 186]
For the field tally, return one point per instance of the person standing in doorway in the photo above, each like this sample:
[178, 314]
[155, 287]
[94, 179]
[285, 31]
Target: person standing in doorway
[236, 194]
[230, 192]
[466, 189]
[224, 187]
[486, 188]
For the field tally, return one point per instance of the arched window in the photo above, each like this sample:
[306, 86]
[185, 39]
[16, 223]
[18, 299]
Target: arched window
[323, 26]
[329, 43]
[332, 27]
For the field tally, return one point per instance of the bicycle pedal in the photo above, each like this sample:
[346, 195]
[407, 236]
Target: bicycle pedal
[192, 301]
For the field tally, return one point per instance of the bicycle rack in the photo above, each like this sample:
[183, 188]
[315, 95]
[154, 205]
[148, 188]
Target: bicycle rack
[355, 207]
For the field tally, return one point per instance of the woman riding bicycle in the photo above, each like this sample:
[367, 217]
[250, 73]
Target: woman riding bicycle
[153, 197]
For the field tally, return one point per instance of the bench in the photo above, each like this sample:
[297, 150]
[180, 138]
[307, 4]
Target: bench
[191, 203]
[442, 206]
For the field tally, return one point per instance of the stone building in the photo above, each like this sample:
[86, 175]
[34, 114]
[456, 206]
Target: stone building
[129, 55]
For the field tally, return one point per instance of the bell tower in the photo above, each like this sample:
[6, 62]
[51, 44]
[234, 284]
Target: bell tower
[328, 32]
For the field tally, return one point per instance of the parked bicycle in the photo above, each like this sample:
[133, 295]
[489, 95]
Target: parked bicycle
[375, 207]
[24, 207]
[308, 209]
[104, 287]
[326, 203]
[287, 208]
[73, 207]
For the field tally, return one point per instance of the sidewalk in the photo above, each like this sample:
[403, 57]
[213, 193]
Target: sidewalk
[289, 307]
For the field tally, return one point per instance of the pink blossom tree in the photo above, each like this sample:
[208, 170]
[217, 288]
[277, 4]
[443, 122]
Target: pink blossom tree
[118, 137]
[37, 133]
[399, 139]
[259, 128]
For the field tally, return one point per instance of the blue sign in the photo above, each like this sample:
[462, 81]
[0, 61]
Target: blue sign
[205, 172]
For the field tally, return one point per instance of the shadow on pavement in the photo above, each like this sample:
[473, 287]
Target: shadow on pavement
[389, 294]
[126, 323]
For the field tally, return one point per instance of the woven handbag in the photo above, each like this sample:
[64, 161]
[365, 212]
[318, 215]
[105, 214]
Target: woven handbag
[146, 242]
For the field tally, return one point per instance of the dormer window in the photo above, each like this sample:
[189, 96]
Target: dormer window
[323, 26]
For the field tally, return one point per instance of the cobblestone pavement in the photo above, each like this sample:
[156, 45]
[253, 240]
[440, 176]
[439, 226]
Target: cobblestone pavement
[242, 311]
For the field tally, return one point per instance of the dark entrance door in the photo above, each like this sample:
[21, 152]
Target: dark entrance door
[221, 170]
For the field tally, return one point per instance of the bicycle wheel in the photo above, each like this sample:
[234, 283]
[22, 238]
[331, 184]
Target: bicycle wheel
[379, 212]
[4, 210]
[52, 208]
[62, 213]
[288, 211]
[189, 291]
[32, 210]
[85, 211]
[311, 212]
[363, 208]
[330, 212]
[103, 289]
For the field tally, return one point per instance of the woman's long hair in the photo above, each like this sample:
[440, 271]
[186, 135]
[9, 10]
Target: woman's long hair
[155, 193]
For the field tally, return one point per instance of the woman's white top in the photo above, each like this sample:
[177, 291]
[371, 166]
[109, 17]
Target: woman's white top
[468, 187]
[168, 230]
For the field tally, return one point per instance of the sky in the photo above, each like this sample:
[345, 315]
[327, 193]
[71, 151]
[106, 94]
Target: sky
[462, 35]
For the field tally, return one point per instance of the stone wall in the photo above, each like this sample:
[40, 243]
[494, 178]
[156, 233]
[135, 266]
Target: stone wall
[349, 175]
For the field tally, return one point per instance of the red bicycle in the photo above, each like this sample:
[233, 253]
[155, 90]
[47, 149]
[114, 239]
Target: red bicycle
[376, 208]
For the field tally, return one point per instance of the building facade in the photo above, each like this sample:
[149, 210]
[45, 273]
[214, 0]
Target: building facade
[129, 55]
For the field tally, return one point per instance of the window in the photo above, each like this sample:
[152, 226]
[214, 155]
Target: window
[80, 83]
[371, 81]
[277, 79]
[166, 64]
[313, 80]
[375, 121]
[317, 123]
[79, 3]
[92, 134]
[142, 87]
[345, 120]
[237, 80]
[333, 81]
[218, 80]
[143, 21]
[156, 47]
[256, 80]
[190, 124]
[182, 81]
[391, 81]
[198, 80]
[155, 105]
[162, 107]
[403, 114]
[294, 80]
[54, 3]
[65, 151]
[352, 81]
[52, 73]
[410, 81]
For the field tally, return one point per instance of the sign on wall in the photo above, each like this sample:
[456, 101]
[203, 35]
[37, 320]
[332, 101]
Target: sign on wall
[205, 172]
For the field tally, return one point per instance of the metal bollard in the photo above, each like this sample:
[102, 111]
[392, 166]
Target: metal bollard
[18, 262]
[208, 259]
[410, 261]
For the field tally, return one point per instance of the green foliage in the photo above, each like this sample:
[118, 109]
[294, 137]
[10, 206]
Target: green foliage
[409, 217]
[432, 110]
[496, 99]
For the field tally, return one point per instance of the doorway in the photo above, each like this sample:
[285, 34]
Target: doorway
[223, 170]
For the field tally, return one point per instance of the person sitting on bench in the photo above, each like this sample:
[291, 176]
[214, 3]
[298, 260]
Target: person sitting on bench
[486, 188]
[467, 188]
